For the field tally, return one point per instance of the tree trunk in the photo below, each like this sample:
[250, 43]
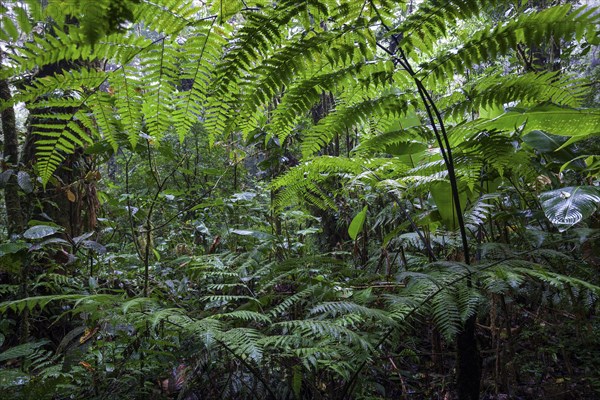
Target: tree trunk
[468, 362]
[14, 213]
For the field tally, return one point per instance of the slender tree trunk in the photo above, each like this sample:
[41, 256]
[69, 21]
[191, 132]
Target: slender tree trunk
[14, 210]
[468, 363]
[11, 157]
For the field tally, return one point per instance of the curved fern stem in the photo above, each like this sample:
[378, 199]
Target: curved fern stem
[347, 389]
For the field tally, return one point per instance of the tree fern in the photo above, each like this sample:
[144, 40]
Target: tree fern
[391, 104]
[206, 44]
[127, 102]
[556, 22]
[495, 90]
[303, 180]
[419, 32]
[160, 79]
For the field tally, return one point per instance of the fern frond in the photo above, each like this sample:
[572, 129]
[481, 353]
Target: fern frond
[101, 104]
[160, 81]
[206, 44]
[303, 180]
[390, 104]
[245, 315]
[294, 57]
[478, 213]
[72, 81]
[166, 17]
[254, 41]
[48, 50]
[323, 329]
[42, 301]
[421, 31]
[560, 22]
[57, 138]
[289, 301]
[127, 102]
[446, 313]
[534, 87]
[387, 142]
[244, 343]
[339, 308]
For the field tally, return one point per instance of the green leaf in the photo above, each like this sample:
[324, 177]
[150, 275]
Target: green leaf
[442, 196]
[24, 181]
[297, 381]
[94, 246]
[544, 142]
[40, 231]
[356, 226]
[12, 248]
[21, 350]
[567, 206]
[557, 120]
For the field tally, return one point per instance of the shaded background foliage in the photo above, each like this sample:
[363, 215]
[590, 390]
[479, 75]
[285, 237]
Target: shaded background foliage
[299, 199]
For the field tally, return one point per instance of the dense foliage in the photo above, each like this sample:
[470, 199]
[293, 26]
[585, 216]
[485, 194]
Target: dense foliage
[299, 199]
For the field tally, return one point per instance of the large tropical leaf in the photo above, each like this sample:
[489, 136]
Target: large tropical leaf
[574, 123]
[357, 224]
[567, 206]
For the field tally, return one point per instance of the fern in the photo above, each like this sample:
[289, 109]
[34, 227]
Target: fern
[244, 343]
[303, 180]
[327, 329]
[159, 83]
[23, 350]
[495, 90]
[556, 22]
[206, 44]
[166, 17]
[343, 117]
[340, 308]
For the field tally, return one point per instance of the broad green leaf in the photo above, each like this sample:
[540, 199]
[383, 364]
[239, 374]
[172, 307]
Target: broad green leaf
[544, 142]
[567, 206]
[357, 224]
[40, 231]
[442, 196]
[557, 120]
[407, 148]
[12, 248]
[554, 146]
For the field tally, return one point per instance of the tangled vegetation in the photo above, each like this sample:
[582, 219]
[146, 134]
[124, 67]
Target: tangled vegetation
[322, 199]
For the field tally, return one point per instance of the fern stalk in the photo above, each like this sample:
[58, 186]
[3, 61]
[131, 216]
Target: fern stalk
[468, 367]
